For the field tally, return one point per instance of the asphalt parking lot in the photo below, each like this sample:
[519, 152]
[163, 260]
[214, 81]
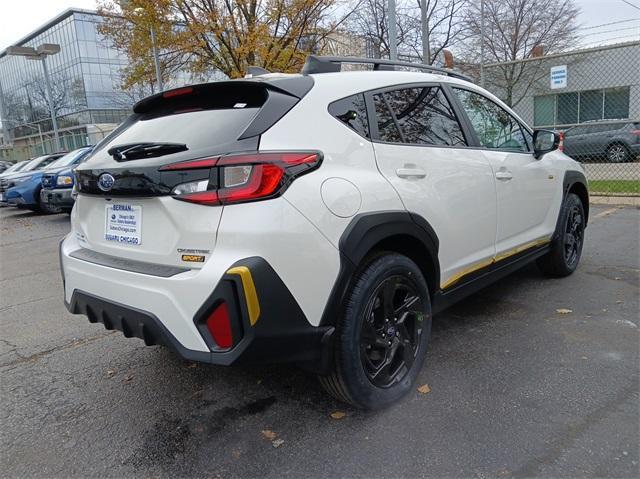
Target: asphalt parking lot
[516, 388]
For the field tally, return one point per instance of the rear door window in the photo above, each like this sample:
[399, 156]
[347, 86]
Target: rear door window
[419, 115]
[352, 112]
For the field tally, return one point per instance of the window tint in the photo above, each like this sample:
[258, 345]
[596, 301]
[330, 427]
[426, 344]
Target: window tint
[494, 127]
[423, 115]
[352, 112]
[387, 128]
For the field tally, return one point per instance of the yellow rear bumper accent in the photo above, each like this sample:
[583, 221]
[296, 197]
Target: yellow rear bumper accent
[250, 294]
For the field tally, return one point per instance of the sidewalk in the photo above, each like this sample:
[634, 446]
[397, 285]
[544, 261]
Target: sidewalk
[615, 200]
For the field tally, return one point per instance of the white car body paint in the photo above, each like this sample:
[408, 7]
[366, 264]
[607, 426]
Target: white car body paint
[475, 216]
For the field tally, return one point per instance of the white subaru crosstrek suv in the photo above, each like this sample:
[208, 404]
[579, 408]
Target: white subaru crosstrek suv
[319, 218]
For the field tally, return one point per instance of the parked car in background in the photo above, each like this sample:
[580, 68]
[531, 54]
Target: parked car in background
[5, 165]
[14, 168]
[22, 179]
[57, 184]
[608, 142]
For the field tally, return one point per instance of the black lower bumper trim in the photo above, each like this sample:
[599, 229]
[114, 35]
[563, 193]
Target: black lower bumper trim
[281, 334]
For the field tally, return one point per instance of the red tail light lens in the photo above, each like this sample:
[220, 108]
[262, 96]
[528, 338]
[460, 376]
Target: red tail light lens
[219, 325]
[246, 177]
[190, 165]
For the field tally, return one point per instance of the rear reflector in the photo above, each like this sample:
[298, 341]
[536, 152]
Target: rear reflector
[219, 325]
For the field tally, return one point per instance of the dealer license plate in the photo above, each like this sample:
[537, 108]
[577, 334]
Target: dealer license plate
[123, 223]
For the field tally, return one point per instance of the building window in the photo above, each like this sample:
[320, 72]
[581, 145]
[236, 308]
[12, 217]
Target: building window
[616, 103]
[578, 107]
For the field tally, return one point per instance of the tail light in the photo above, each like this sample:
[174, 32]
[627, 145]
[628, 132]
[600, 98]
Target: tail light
[240, 178]
[561, 142]
[635, 132]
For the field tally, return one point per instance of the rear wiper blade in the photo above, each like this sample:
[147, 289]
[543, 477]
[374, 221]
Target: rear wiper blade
[135, 151]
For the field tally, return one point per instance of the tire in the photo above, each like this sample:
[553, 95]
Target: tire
[618, 153]
[566, 247]
[371, 371]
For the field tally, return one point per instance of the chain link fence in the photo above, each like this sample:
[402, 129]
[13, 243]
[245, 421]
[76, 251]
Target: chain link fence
[593, 97]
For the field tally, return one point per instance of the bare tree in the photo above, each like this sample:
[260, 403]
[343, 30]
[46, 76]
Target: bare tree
[440, 25]
[370, 20]
[516, 30]
[61, 95]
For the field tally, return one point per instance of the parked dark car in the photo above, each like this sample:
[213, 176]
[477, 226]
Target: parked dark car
[57, 184]
[28, 173]
[604, 142]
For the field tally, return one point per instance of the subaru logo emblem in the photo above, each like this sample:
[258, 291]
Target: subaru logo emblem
[106, 181]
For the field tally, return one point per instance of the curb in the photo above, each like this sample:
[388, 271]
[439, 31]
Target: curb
[615, 200]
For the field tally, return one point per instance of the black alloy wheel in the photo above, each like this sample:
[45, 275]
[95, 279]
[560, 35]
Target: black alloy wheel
[391, 332]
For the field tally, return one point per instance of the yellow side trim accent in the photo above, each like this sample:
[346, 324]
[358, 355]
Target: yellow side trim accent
[488, 262]
[250, 294]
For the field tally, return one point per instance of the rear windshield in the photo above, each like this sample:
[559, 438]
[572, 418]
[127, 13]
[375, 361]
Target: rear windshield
[201, 118]
[196, 129]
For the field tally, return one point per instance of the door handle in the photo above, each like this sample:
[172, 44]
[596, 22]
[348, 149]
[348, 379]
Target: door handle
[504, 175]
[411, 173]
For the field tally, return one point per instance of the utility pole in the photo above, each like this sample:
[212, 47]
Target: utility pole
[482, 43]
[52, 112]
[393, 34]
[156, 59]
[426, 50]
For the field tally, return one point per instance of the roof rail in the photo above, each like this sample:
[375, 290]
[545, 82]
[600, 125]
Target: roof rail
[325, 64]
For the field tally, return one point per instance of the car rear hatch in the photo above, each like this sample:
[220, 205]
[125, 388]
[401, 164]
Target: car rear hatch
[129, 190]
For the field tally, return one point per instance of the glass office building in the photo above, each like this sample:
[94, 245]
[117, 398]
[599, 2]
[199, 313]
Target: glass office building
[85, 78]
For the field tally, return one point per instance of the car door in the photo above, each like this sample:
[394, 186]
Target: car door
[526, 187]
[421, 149]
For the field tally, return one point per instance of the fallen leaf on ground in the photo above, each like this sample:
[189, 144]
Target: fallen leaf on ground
[128, 378]
[278, 442]
[424, 389]
[269, 434]
[111, 372]
[338, 414]
[564, 311]
[192, 365]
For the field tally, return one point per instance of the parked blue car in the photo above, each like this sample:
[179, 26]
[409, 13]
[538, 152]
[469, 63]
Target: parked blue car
[23, 189]
[23, 170]
[57, 187]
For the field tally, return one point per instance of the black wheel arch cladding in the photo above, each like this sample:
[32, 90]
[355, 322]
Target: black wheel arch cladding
[399, 231]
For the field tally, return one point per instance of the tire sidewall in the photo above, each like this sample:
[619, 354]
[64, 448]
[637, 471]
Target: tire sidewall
[360, 388]
[571, 201]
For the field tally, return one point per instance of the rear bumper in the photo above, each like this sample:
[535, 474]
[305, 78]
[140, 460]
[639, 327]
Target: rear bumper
[280, 334]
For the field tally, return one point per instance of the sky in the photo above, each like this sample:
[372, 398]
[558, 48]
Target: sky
[20, 17]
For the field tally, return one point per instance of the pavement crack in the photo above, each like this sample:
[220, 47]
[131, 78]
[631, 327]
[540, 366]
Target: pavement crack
[36, 356]
[11, 306]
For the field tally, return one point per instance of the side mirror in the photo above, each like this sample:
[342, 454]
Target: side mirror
[545, 141]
